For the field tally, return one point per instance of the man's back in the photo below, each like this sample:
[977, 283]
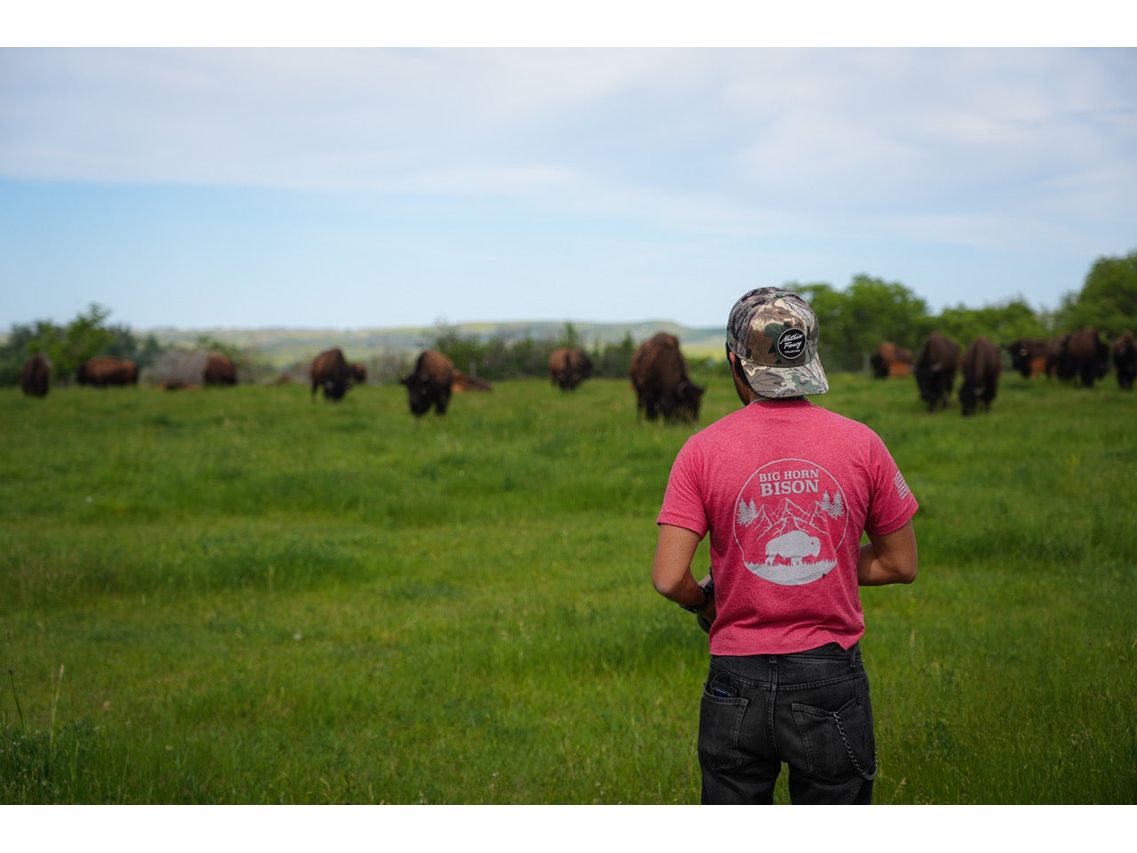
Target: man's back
[785, 489]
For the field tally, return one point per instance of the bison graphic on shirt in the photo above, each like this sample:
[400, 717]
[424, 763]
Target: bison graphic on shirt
[791, 519]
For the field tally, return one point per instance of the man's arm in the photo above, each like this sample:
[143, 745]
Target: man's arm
[671, 571]
[888, 559]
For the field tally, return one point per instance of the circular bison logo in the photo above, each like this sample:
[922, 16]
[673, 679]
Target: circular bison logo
[790, 519]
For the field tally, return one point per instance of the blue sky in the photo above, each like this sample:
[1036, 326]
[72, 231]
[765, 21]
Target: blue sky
[390, 187]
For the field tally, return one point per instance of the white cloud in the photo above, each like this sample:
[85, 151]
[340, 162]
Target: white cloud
[976, 146]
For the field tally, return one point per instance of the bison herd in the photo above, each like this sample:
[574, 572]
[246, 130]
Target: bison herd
[659, 374]
[104, 371]
[1082, 356]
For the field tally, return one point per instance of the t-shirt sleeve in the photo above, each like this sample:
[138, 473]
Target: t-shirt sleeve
[683, 504]
[892, 504]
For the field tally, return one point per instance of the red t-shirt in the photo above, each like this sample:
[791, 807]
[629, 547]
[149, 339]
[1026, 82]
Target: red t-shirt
[786, 488]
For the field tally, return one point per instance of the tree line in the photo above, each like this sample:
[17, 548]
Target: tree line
[871, 310]
[499, 358]
[853, 322]
[70, 345]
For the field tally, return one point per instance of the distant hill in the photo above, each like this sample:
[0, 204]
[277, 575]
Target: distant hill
[282, 346]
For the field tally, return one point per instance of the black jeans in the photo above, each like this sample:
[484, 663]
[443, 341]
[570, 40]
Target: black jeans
[809, 709]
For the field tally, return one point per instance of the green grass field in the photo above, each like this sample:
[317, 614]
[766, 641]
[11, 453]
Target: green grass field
[239, 596]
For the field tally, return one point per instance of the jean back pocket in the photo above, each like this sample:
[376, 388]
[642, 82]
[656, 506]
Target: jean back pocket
[838, 743]
[720, 724]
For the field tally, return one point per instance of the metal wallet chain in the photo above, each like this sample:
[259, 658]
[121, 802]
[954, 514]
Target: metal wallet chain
[849, 750]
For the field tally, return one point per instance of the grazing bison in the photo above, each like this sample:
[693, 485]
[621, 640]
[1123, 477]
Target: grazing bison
[1029, 356]
[358, 373]
[430, 383]
[935, 370]
[1085, 356]
[219, 370]
[568, 367]
[331, 372]
[890, 360]
[36, 376]
[104, 370]
[981, 367]
[1125, 360]
[659, 375]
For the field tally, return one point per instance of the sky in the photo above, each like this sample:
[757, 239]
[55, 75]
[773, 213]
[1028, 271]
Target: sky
[403, 186]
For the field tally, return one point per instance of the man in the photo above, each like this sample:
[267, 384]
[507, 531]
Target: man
[785, 489]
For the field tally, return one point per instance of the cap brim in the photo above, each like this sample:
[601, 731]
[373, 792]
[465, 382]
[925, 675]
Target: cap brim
[805, 379]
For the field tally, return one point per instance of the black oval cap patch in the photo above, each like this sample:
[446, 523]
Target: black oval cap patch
[791, 344]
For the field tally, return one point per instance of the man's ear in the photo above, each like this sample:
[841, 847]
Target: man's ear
[741, 386]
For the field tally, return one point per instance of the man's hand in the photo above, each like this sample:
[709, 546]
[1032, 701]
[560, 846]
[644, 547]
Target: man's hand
[708, 615]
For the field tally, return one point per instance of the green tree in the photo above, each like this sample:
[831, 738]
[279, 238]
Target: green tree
[838, 351]
[67, 347]
[855, 321]
[1001, 323]
[885, 311]
[25, 340]
[496, 358]
[569, 336]
[466, 352]
[1108, 299]
[613, 359]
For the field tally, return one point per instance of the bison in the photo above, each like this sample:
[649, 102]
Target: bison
[792, 546]
[430, 383]
[935, 370]
[1125, 360]
[1029, 356]
[1084, 356]
[331, 372]
[104, 370]
[890, 360]
[981, 368]
[219, 370]
[568, 367]
[659, 375]
[36, 376]
[1056, 360]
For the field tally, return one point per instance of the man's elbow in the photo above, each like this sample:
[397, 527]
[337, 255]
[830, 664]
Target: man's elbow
[663, 585]
[905, 573]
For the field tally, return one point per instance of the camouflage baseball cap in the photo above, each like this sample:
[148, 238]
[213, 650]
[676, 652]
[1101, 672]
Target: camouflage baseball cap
[774, 334]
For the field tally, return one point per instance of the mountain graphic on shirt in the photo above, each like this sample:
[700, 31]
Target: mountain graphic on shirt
[793, 517]
[788, 516]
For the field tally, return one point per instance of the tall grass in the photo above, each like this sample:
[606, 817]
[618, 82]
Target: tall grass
[241, 596]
